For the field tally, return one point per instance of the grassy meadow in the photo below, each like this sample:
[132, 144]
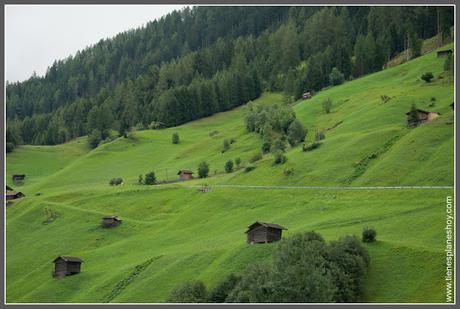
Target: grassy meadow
[173, 233]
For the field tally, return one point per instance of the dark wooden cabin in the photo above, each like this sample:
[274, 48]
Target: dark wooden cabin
[12, 195]
[306, 95]
[423, 115]
[185, 174]
[261, 232]
[444, 53]
[8, 188]
[66, 266]
[18, 178]
[110, 221]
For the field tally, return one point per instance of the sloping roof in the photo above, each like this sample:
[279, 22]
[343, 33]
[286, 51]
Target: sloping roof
[68, 258]
[445, 51]
[111, 217]
[272, 225]
[14, 193]
[422, 111]
[19, 175]
[184, 171]
[11, 189]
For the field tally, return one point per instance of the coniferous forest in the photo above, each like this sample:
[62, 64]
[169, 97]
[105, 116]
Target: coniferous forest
[198, 61]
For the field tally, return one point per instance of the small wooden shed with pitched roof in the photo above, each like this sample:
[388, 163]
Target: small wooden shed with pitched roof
[185, 174]
[110, 221]
[262, 232]
[66, 265]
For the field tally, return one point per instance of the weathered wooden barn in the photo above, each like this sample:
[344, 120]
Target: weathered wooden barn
[18, 178]
[423, 116]
[306, 95]
[444, 52]
[66, 266]
[12, 195]
[262, 232]
[111, 221]
[185, 174]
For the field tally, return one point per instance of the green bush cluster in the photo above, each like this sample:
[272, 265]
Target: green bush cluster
[116, 181]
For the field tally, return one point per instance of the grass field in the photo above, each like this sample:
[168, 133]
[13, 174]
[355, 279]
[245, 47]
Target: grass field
[172, 233]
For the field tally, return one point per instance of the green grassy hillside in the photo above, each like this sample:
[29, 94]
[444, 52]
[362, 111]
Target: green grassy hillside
[174, 233]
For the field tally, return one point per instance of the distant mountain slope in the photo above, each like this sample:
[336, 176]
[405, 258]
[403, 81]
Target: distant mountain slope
[172, 233]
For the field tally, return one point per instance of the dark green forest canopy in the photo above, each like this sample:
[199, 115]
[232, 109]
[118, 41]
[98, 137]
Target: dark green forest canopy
[196, 62]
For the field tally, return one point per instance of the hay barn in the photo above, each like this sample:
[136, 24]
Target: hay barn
[66, 266]
[262, 232]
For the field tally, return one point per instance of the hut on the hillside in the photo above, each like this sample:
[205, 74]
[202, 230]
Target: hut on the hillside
[306, 95]
[66, 266]
[444, 53]
[18, 178]
[261, 232]
[12, 195]
[422, 116]
[185, 174]
[111, 221]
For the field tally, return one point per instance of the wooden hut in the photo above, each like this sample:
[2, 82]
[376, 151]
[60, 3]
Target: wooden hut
[185, 174]
[423, 116]
[18, 178]
[66, 266]
[110, 221]
[261, 232]
[306, 95]
[444, 53]
[12, 195]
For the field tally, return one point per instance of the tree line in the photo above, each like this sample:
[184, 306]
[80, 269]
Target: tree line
[195, 62]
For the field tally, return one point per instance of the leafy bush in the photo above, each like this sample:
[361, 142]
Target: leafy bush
[255, 286]
[319, 135]
[249, 168]
[116, 181]
[336, 77]
[150, 178]
[9, 147]
[279, 158]
[279, 145]
[266, 146]
[238, 162]
[427, 77]
[385, 98]
[140, 180]
[296, 133]
[327, 105]
[189, 292]
[255, 158]
[413, 119]
[203, 169]
[311, 146]
[220, 293]
[175, 138]
[229, 166]
[94, 138]
[288, 172]
[369, 234]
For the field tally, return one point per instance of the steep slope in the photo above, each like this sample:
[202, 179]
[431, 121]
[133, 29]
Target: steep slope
[173, 233]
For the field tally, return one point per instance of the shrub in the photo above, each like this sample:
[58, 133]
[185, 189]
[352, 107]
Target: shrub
[288, 172]
[279, 145]
[189, 292]
[220, 293]
[249, 168]
[427, 77]
[94, 138]
[413, 119]
[140, 180]
[369, 235]
[150, 178]
[279, 158]
[238, 162]
[229, 166]
[311, 146]
[255, 286]
[116, 181]
[226, 145]
[232, 140]
[203, 169]
[319, 135]
[255, 158]
[327, 105]
[336, 77]
[266, 146]
[175, 138]
[9, 147]
[296, 133]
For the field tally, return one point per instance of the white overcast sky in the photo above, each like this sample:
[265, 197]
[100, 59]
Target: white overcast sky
[36, 35]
